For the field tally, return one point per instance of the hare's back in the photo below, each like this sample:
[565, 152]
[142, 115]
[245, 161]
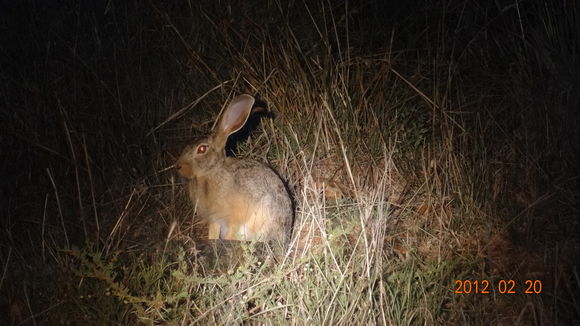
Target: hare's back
[255, 177]
[259, 181]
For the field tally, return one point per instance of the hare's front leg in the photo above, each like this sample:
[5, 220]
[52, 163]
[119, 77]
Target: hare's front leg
[214, 231]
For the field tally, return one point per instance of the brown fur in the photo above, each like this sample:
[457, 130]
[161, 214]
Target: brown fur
[241, 199]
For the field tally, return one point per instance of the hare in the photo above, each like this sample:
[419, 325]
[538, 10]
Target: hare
[241, 199]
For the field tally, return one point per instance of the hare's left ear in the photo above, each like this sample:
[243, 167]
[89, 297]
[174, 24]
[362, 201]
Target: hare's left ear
[233, 118]
[236, 115]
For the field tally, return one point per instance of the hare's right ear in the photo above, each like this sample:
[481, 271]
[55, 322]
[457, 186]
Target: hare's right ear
[233, 118]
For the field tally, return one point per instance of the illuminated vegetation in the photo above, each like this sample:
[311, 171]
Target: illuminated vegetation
[423, 144]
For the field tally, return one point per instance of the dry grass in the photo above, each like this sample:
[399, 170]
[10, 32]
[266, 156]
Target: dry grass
[422, 146]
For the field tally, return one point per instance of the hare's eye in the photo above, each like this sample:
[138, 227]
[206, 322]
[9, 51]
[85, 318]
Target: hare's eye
[202, 149]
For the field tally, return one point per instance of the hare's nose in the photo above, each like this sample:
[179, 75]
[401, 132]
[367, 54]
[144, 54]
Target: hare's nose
[184, 169]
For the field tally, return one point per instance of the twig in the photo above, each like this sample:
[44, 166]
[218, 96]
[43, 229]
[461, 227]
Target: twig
[6, 267]
[94, 202]
[43, 232]
[121, 218]
[75, 164]
[58, 205]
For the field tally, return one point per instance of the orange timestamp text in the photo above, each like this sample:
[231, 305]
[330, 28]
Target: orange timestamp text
[501, 287]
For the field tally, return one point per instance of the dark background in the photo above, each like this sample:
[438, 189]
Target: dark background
[85, 84]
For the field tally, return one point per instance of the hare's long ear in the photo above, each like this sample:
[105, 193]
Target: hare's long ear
[233, 118]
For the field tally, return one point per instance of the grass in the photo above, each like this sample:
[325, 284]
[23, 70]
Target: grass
[422, 145]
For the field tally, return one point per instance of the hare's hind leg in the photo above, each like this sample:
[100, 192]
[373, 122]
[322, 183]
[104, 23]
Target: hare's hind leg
[214, 231]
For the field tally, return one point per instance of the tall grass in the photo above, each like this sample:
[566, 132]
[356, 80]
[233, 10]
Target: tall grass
[422, 145]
